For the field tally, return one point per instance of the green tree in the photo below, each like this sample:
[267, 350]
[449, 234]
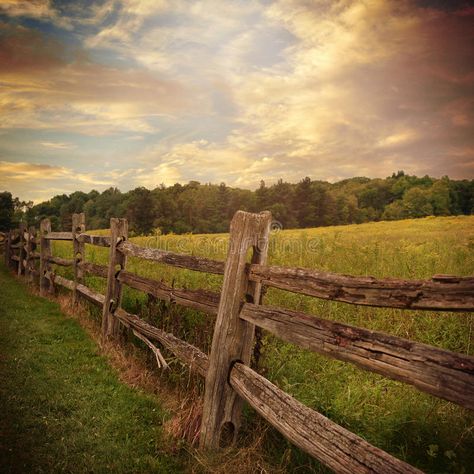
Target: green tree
[441, 197]
[141, 211]
[6, 211]
[304, 204]
[376, 195]
[347, 209]
[196, 207]
[394, 211]
[416, 202]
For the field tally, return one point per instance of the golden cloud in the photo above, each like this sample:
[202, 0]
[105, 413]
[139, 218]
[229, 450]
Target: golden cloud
[354, 88]
[35, 180]
[43, 90]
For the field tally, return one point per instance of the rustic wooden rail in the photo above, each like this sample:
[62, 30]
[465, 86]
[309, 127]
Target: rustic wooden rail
[442, 293]
[238, 309]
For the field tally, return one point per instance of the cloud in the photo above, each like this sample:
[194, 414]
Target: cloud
[37, 9]
[25, 50]
[37, 181]
[243, 91]
[401, 138]
[132, 14]
[46, 86]
[364, 78]
[21, 171]
[58, 145]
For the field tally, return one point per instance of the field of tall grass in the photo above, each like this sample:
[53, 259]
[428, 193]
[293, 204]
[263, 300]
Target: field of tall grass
[435, 435]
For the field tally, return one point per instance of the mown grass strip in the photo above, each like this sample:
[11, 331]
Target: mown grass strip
[63, 407]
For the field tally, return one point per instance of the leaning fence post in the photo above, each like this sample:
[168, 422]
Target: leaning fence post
[21, 248]
[233, 337]
[113, 295]
[78, 227]
[45, 253]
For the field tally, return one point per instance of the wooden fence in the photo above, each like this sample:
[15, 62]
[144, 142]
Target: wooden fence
[238, 308]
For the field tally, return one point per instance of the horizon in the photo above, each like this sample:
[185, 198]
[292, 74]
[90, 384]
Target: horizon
[267, 184]
[123, 94]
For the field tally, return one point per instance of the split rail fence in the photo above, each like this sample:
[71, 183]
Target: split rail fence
[239, 308]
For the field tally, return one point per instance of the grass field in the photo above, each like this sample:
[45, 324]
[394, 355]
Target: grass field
[432, 434]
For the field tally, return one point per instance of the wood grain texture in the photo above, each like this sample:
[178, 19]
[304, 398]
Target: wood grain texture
[202, 300]
[30, 247]
[98, 240]
[62, 262]
[442, 293]
[442, 373]
[199, 264]
[233, 338]
[22, 252]
[58, 236]
[8, 249]
[82, 290]
[188, 354]
[60, 280]
[78, 227]
[45, 254]
[336, 447]
[94, 269]
[113, 295]
[90, 295]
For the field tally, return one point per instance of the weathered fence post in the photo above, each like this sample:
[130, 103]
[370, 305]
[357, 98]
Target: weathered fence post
[233, 337]
[78, 227]
[113, 295]
[8, 249]
[45, 253]
[21, 248]
[29, 251]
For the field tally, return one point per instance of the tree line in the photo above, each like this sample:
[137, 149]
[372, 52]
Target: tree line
[208, 208]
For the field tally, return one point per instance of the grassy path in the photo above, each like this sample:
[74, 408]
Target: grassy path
[62, 408]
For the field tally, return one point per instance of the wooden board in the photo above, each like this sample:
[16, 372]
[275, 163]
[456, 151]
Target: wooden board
[442, 373]
[442, 293]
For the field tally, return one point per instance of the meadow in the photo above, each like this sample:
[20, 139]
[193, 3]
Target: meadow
[432, 434]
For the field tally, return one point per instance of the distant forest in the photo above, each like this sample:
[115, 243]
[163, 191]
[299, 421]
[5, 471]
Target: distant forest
[208, 208]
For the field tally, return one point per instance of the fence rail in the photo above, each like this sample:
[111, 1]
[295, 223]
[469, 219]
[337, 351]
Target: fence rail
[239, 309]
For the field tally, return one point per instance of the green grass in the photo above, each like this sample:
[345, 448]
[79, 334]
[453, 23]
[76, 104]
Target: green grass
[435, 435]
[63, 407]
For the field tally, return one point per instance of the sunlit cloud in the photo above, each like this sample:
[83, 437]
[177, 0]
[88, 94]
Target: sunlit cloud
[58, 145]
[43, 88]
[238, 92]
[38, 9]
[35, 180]
[401, 138]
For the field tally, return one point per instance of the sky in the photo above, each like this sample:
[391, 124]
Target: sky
[131, 93]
